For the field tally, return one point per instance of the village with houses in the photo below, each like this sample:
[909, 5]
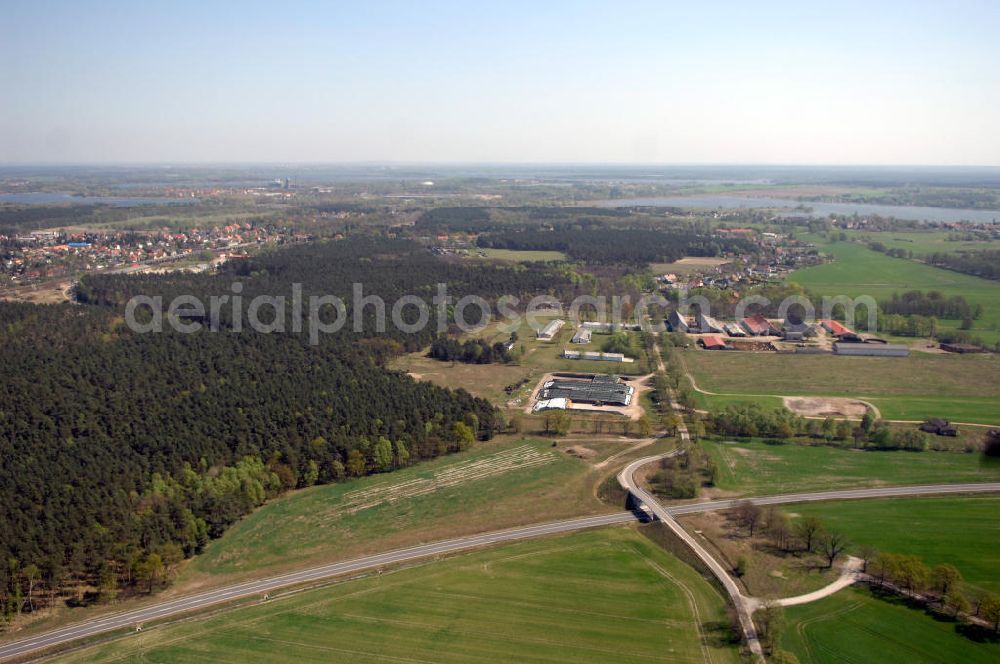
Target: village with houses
[29, 260]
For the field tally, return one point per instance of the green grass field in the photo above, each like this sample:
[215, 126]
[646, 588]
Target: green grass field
[858, 270]
[963, 388]
[483, 380]
[447, 497]
[962, 530]
[712, 402]
[598, 596]
[855, 626]
[756, 468]
[526, 256]
[922, 242]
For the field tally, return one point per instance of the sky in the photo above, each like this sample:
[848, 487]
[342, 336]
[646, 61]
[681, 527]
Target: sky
[521, 82]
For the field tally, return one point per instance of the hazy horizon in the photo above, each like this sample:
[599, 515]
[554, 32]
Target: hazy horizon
[895, 85]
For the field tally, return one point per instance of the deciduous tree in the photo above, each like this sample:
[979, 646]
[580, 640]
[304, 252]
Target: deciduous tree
[808, 528]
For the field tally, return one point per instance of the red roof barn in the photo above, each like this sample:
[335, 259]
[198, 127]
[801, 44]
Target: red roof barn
[757, 326]
[835, 328]
[712, 342]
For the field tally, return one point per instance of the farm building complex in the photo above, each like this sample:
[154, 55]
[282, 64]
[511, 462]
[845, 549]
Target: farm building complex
[601, 390]
[793, 334]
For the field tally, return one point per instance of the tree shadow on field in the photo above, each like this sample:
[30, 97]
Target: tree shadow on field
[719, 633]
[977, 633]
[971, 631]
[892, 597]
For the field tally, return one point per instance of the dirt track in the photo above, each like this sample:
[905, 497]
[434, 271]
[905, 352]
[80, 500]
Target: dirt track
[826, 407]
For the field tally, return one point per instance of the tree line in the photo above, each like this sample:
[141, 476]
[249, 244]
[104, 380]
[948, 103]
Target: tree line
[931, 303]
[751, 420]
[984, 263]
[470, 351]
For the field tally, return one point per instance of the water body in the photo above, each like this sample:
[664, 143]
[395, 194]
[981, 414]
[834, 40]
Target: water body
[712, 201]
[62, 198]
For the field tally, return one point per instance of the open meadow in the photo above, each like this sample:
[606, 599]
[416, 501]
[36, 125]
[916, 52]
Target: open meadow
[854, 625]
[596, 596]
[963, 388]
[522, 256]
[494, 485]
[961, 530]
[922, 242]
[757, 468]
[858, 270]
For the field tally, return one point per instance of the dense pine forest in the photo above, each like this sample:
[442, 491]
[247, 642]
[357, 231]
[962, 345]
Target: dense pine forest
[609, 245]
[124, 452]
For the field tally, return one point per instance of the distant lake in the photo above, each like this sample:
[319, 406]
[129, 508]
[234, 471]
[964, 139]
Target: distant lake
[62, 198]
[712, 202]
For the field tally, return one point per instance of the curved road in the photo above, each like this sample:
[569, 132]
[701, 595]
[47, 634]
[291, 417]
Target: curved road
[745, 606]
[180, 605]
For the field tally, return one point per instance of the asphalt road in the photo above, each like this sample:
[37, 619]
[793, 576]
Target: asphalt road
[744, 608]
[129, 619]
[846, 494]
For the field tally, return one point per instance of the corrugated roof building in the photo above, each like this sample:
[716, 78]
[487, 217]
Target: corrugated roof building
[604, 390]
[708, 324]
[733, 330]
[870, 350]
[676, 322]
[758, 326]
[548, 332]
